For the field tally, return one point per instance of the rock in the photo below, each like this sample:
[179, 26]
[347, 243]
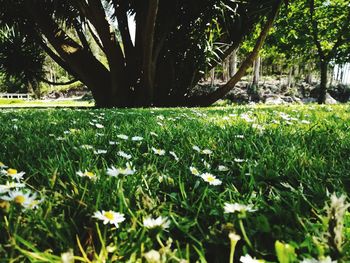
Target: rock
[309, 100]
[330, 99]
[274, 101]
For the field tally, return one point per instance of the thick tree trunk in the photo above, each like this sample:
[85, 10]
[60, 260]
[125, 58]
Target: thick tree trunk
[323, 83]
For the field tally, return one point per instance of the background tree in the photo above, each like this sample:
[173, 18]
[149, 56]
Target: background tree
[161, 65]
[313, 32]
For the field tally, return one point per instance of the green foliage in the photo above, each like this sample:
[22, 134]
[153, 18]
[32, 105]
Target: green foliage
[284, 161]
[21, 60]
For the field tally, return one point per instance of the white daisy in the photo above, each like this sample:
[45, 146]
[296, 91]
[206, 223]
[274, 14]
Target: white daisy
[137, 138]
[313, 260]
[114, 172]
[196, 148]
[25, 199]
[194, 171]
[174, 155]
[113, 143]
[86, 147]
[158, 151]
[124, 155]
[238, 160]
[160, 221]
[222, 168]
[109, 217]
[123, 136]
[207, 151]
[152, 256]
[99, 126]
[87, 174]
[100, 151]
[211, 179]
[232, 208]
[8, 186]
[14, 174]
[153, 134]
[248, 259]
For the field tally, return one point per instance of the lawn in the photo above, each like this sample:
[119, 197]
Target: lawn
[175, 185]
[20, 103]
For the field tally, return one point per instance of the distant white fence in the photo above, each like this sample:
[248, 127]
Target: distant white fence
[15, 96]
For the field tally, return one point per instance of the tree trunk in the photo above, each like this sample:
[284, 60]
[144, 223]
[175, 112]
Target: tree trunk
[212, 77]
[323, 84]
[290, 77]
[256, 71]
[233, 63]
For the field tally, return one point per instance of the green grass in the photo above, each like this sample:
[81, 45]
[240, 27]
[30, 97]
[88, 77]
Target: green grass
[20, 103]
[288, 170]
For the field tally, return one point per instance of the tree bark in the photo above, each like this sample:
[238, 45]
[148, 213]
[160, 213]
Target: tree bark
[323, 83]
[256, 71]
[233, 63]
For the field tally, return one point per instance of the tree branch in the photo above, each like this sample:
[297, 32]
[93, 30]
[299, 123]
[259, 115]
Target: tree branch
[315, 29]
[56, 83]
[206, 100]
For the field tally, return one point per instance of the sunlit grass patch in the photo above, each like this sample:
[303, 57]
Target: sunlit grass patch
[175, 184]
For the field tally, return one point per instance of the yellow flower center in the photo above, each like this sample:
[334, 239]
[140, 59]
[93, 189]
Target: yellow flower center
[210, 179]
[89, 174]
[12, 171]
[19, 199]
[109, 215]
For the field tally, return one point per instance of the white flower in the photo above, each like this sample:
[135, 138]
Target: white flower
[137, 138]
[194, 171]
[86, 146]
[14, 174]
[234, 237]
[160, 221]
[8, 186]
[123, 136]
[67, 257]
[124, 155]
[222, 168]
[196, 148]
[87, 174]
[239, 136]
[206, 164]
[100, 151]
[305, 122]
[99, 126]
[109, 217]
[25, 199]
[232, 208]
[160, 117]
[211, 179]
[246, 117]
[113, 143]
[153, 256]
[313, 260]
[158, 151]
[238, 160]
[2, 165]
[207, 151]
[248, 259]
[174, 155]
[114, 172]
